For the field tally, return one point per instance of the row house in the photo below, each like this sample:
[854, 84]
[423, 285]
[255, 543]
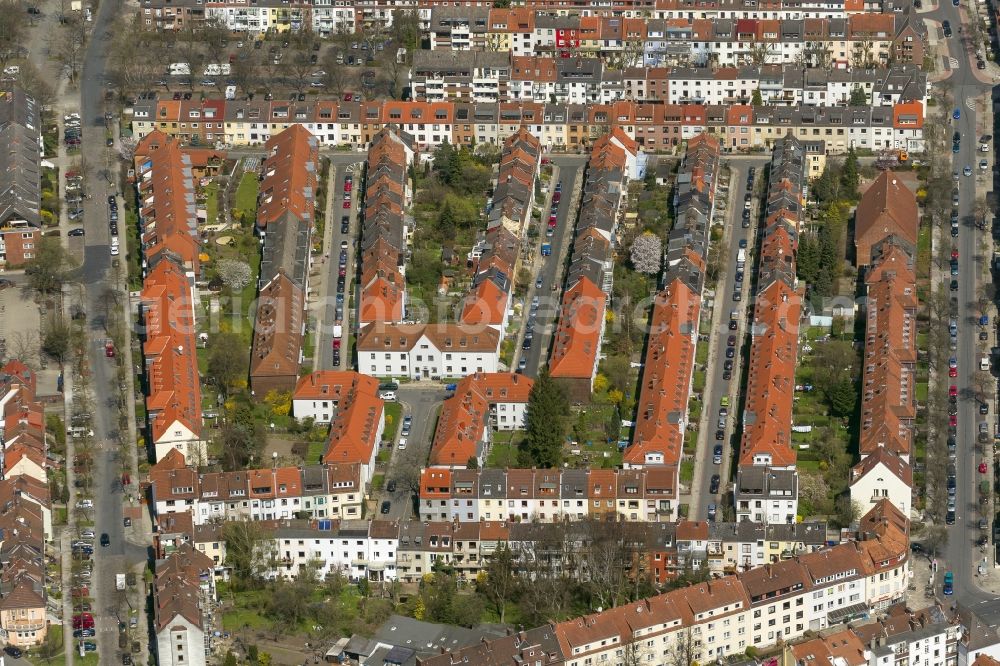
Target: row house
[826, 40]
[318, 395]
[357, 429]
[168, 220]
[261, 17]
[773, 604]
[173, 382]
[25, 509]
[577, 340]
[661, 419]
[547, 496]
[767, 416]
[481, 404]
[285, 217]
[330, 490]
[427, 351]
[384, 229]
[653, 126]
[183, 594]
[488, 302]
[21, 215]
[333, 17]
[886, 236]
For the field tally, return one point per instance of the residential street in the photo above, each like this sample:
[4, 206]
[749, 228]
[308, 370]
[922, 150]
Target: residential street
[552, 269]
[718, 334]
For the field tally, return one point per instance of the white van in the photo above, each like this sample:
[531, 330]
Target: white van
[230, 92]
[389, 396]
[179, 69]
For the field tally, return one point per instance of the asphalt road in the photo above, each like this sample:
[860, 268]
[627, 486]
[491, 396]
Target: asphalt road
[715, 385]
[344, 164]
[960, 554]
[100, 171]
[551, 269]
[420, 400]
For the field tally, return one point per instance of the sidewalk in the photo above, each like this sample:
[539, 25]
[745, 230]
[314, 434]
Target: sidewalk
[321, 291]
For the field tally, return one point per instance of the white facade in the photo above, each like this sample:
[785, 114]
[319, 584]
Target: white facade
[353, 556]
[180, 643]
[878, 484]
[424, 361]
[179, 436]
[319, 410]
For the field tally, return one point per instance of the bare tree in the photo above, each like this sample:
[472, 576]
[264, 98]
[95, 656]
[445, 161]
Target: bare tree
[683, 652]
[25, 345]
[862, 56]
[758, 53]
[12, 29]
[647, 253]
[333, 74]
[191, 50]
[71, 42]
[215, 38]
[300, 68]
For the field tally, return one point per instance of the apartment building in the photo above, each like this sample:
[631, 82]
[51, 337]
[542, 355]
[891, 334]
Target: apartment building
[183, 592]
[547, 496]
[173, 399]
[427, 351]
[480, 76]
[356, 549]
[318, 395]
[481, 404]
[384, 229]
[260, 18]
[330, 490]
[653, 126]
[662, 408]
[767, 418]
[21, 189]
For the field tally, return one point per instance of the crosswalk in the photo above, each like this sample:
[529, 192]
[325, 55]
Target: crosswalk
[953, 63]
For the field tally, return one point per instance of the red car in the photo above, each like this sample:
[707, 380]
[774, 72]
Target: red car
[348, 97]
[347, 186]
[347, 204]
[556, 197]
[983, 468]
[953, 391]
[83, 621]
[953, 420]
[953, 372]
[954, 253]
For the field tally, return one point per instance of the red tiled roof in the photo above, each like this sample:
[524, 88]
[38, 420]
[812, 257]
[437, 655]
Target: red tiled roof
[290, 172]
[354, 432]
[576, 342]
[465, 415]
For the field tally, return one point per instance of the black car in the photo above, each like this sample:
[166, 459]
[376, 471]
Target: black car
[391, 486]
[984, 408]
[75, 232]
[105, 539]
[746, 213]
[526, 344]
[954, 285]
[739, 276]
[720, 435]
[731, 341]
[730, 352]
[727, 375]
[733, 325]
[946, 26]
[737, 296]
[954, 231]
[728, 365]
[713, 486]
[747, 196]
[13, 651]
[385, 507]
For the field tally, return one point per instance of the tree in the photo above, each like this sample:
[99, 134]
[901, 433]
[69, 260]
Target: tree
[684, 650]
[646, 254]
[13, 24]
[850, 176]
[858, 97]
[239, 443]
[55, 343]
[757, 99]
[234, 274]
[843, 396]
[250, 552]
[228, 361]
[758, 53]
[333, 73]
[70, 45]
[848, 511]
[935, 539]
[300, 68]
[548, 408]
[48, 270]
[498, 582]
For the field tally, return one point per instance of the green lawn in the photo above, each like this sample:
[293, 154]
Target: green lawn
[212, 203]
[246, 194]
[393, 417]
[687, 470]
[701, 353]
